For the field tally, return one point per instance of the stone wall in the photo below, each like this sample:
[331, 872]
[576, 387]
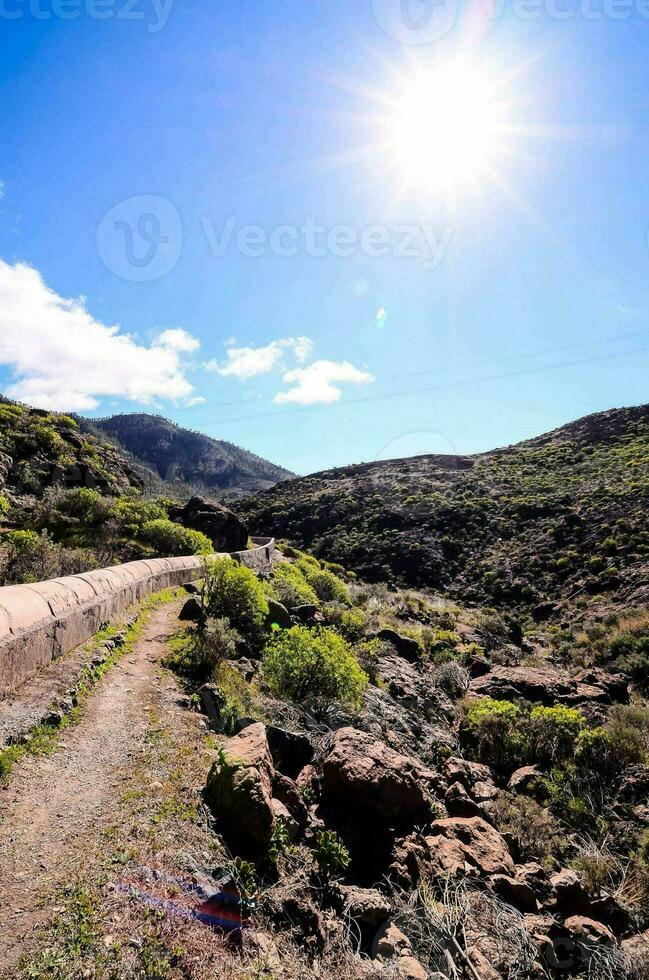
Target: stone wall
[42, 621]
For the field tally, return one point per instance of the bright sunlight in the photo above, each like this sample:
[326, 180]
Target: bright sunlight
[446, 128]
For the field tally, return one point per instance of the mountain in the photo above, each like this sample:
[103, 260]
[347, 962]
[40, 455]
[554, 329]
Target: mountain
[555, 521]
[181, 456]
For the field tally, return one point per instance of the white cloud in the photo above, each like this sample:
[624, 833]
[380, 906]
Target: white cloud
[65, 359]
[178, 340]
[249, 362]
[2, 188]
[318, 382]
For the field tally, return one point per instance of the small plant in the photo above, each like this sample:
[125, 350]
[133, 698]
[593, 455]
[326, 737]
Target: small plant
[313, 666]
[279, 842]
[330, 853]
[212, 645]
[245, 878]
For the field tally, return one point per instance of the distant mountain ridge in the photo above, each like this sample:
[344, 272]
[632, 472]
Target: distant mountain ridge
[181, 456]
[560, 518]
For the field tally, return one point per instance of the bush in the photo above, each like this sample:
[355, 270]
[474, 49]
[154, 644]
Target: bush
[213, 644]
[26, 556]
[327, 586]
[289, 586]
[171, 540]
[533, 827]
[494, 729]
[4, 505]
[232, 591]
[554, 732]
[313, 666]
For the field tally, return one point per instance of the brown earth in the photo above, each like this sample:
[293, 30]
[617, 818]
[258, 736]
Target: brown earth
[58, 808]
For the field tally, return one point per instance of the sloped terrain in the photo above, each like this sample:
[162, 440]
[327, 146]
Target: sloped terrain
[557, 519]
[179, 455]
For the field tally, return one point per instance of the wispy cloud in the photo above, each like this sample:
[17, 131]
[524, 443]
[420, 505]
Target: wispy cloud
[2, 188]
[64, 358]
[250, 362]
[319, 382]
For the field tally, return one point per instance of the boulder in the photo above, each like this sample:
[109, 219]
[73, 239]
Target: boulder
[524, 779]
[532, 683]
[282, 815]
[278, 615]
[460, 845]
[191, 611]
[306, 613]
[390, 942]
[285, 790]
[408, 968]
[570, 895]
[589, 934]
[549, 686]
[458, 802]
[615, 686]
[213, 705]
[226, 531]
[239, 789]
[476, 778]
[535, 877]
[636, 950]
[405, 646]
[634, 787]
[369, 777]
[515, 892]
[365, 905]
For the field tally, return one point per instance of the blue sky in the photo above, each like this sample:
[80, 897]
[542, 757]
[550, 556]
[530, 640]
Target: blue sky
[130, 147]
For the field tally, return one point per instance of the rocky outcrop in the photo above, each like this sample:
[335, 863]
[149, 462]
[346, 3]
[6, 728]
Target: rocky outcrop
[226, 531]
[550, 686]
[467, 845]
[239, 789]
[367, 776]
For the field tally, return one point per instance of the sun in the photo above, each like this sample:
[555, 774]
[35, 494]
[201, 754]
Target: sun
[446, 128]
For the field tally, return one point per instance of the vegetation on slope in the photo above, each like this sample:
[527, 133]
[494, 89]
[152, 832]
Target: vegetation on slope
[561, 517]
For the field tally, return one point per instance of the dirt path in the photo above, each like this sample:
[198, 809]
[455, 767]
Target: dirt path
[57, 806]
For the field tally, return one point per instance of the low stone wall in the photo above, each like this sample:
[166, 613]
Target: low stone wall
[40, 622]
[259, 558]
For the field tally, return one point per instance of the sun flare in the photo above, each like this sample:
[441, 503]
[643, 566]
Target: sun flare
[446, 128]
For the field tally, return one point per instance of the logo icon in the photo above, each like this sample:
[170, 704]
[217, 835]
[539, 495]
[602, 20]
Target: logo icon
[141, 238]
[415, 21]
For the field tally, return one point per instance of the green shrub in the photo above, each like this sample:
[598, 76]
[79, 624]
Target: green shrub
[553, 733]
[494, 729]
[234, 592]
[327, 586]
[533, 827]
[289, 586]
[4, 505]
[171, 539]
[350, 623]
[313, 666]
[215, 642]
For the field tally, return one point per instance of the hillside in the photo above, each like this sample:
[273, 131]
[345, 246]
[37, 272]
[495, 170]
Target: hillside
[561, 517]
[40, 449]
[180, 455]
